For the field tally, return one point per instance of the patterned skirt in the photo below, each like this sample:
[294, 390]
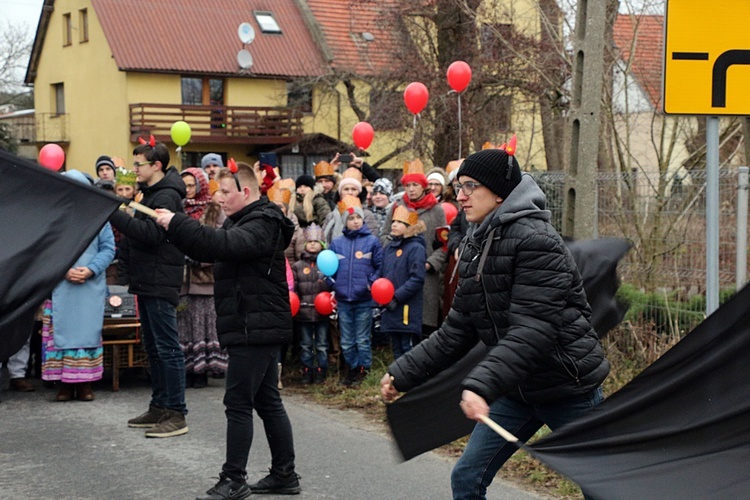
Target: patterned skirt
[196, 322]
[70, 366]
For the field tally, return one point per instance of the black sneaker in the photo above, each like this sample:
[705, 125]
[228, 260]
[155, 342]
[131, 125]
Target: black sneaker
[147, 420]
[226, 489]
[351, 377]
[277, 485]
[360, 376]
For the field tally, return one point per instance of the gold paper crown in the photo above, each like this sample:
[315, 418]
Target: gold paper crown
[403, 214]
[279, 194]
[348, 204]
[453, 165]
[124, 176]
[413, 167]
[490, 145]
[213, 186]
[287, 184]
[323, 168]
[353, 173]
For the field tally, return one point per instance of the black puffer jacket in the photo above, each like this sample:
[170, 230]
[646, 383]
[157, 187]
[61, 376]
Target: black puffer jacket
[250, 288]
[521, 294]
[155, 266]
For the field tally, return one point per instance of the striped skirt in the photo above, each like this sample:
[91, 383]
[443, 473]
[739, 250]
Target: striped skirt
[70, 366]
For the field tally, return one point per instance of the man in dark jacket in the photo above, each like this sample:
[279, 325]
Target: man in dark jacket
[521, 294]
[253, 320]
[155, 269]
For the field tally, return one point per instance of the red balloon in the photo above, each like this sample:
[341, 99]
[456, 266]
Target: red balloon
[416, 96]
[294, 302]
[363, 134]
[325, 303]
[450, 211]
[51, 156]
[459, 75]
[382, 291]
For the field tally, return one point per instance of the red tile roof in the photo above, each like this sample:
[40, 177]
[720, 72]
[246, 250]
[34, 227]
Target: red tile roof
[343, 22]
[640, 40]
[196, 36]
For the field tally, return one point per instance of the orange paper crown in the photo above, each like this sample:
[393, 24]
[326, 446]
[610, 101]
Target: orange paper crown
[323, 168]
[348, 204]
[352, 172]
[413, 167]
[279, 194]
[403, 214]
[213, 186]
[453, 165]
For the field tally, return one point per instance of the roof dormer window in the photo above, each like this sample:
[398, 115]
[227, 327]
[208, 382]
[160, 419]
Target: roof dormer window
[267, 22]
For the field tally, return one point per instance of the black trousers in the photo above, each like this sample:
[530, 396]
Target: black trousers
[252, 383]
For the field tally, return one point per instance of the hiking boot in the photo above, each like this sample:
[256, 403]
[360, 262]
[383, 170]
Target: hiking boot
[277, 485]
[226, 489]
[307, 376]
[65, 392]
[21, 385]
[172, 423]
[147, 420]
[351, 377]
[84, 392]
[320, 375]
[361, 374]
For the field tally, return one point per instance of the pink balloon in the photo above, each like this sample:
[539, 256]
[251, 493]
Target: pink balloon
[51, 156]
[363, 134]
[382, 291]
[416, 96]
[459, 75]
[450, 211]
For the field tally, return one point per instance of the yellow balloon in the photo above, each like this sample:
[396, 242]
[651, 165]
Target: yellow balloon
[180, 133]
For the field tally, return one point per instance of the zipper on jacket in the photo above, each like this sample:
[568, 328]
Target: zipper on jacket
[560, 353]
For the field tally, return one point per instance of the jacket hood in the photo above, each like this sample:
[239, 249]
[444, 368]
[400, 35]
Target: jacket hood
[411, 240]
[172, 180]
[526, 200]
[362, 231]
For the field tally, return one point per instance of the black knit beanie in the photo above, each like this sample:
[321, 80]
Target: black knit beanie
[490, 167]
[104, 161]
[306, 180]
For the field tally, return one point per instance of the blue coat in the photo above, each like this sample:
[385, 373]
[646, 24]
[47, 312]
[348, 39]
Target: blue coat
[360, 256]
[404, 264]
[78, 309]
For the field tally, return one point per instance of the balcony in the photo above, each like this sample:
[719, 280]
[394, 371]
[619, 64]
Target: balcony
[217, 124]
[51, 127]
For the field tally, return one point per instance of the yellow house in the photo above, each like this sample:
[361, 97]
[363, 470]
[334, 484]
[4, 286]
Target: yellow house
[107, 72]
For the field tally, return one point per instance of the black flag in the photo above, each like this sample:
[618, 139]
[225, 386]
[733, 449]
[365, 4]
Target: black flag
[680, 429]
[46, 222]
[429, 416]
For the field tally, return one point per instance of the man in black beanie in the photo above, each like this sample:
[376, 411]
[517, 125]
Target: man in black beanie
[105, 171]
[520, 293]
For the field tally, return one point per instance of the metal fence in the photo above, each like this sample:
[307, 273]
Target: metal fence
[664, 275]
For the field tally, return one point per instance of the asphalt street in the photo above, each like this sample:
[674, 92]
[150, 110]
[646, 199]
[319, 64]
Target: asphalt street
[79, 450]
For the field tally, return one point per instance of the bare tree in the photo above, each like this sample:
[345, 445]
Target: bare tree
[15, 47]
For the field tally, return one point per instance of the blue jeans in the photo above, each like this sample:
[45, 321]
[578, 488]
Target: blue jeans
[486, 451]
[401, 343]
[355, 319]
[165, 358]
[314, 334]
[252, 384]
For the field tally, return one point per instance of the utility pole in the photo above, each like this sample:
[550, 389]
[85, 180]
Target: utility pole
[580, 205]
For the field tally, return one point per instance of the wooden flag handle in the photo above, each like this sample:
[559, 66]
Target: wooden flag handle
[503, 433]
[143, 209]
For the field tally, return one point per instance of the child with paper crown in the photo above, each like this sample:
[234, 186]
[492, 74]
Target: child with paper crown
[313, 326]
[360, 256]
[403, 264]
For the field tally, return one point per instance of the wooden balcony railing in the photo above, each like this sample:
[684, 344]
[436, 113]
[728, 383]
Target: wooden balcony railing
[217, 124]
[51, 127]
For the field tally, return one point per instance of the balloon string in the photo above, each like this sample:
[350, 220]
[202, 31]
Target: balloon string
[414, 137]
[459, 127]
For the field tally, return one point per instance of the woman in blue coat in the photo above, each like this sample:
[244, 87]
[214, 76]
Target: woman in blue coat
[72, 352]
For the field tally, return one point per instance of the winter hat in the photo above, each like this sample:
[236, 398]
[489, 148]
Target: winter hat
[314, 232]
[350, 205]
[211, 159]
[452, 169]
[351, 177]
[104, 161]
[305, 180]
[384, 186]
[201, 181]
[323, 169]
[493, 168]
[414, 172]
[436, 176]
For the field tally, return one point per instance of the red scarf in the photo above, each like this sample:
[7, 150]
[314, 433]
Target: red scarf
[426, 202]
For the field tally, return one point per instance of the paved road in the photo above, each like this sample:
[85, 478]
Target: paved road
[79, 450]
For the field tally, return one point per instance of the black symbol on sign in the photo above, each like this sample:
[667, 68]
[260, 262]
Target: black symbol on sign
[719, 74]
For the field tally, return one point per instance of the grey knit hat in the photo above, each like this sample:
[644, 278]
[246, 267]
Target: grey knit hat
[493, 168]
[211, 159]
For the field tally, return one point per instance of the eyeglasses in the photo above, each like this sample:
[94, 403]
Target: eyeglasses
[138, 164]
[467, 187]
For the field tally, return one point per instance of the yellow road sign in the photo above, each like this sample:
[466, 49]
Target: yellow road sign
[707, 57]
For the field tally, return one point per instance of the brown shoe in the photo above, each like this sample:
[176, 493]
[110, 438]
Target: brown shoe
[65, 393]
[84, 392]
[21, 385]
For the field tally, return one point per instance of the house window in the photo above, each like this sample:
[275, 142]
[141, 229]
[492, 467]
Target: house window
[202, 91]
[299, 97]
[83, 26]
[67, 30]
[387, 110]
[58, 91]
[267, 22]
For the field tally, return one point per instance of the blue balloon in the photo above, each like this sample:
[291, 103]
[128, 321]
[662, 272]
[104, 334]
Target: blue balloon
[328, 263]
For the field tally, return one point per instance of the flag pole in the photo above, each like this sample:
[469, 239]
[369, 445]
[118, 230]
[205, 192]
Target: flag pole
[143, 209]
[503, 433]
